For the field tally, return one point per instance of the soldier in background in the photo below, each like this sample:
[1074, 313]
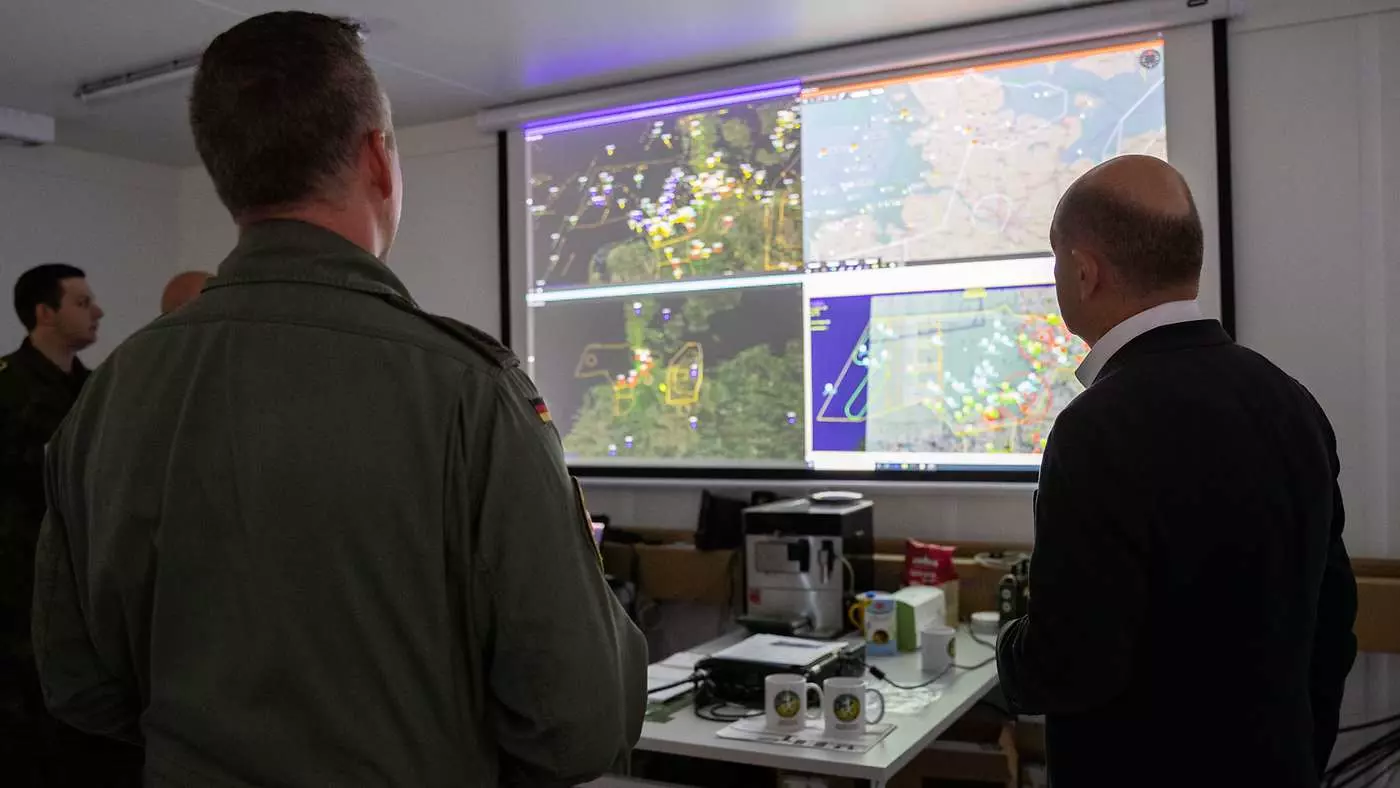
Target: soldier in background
[182, 288]
[39, 382]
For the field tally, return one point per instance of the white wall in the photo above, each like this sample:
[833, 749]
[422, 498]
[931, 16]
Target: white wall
[1317, 185]
[446, 253]
[112, 217]
[448, 248]
[206, 233]
[1315, 89]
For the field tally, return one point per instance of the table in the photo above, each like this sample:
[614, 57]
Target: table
[687, 735]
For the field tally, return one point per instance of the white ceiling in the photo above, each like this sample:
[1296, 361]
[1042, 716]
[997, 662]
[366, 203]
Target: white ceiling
[438, 59]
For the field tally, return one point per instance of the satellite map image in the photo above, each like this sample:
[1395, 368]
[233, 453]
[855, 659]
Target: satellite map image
[712, 375]
[967, 371]
[707, 194]
[970, 163]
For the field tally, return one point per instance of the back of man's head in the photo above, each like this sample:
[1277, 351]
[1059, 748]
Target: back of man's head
[279, 108]
[42, 284]
[182, 288]
[1138, 215]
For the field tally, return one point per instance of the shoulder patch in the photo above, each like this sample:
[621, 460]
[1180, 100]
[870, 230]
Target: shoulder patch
[541, 410]
[3, 364]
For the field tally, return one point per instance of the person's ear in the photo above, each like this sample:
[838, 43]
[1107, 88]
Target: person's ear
[381, 163]
[45, 315]
[1091, 273]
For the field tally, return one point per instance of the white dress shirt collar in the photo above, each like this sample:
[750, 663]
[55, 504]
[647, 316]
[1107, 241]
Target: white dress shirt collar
[1166, 314]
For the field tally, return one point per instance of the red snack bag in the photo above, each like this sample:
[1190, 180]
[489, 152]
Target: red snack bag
[928, 564]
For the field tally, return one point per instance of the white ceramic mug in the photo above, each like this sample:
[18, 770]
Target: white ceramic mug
[939, 646]
[785, 701]
[847, 706]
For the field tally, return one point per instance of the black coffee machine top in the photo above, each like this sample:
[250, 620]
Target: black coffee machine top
[806, 517]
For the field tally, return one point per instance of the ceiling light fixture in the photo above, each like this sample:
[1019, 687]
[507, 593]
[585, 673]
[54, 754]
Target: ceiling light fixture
[25, 129]
[138, 80]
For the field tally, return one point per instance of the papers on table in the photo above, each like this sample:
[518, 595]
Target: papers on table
[812, 736]
[662, 675]
[682, 659]
[781, 651]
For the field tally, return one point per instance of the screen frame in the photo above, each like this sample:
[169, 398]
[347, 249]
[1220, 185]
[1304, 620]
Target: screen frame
[1207, 39]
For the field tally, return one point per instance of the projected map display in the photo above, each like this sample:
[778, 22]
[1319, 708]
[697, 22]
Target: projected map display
[940, 374]
[970, 163]
[714, 376]
[847, 277]
[714, 192]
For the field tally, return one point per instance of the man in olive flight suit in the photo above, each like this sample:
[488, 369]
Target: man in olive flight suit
[342, 546]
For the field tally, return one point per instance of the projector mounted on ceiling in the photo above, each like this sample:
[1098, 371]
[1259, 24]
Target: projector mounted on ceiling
[25, 129]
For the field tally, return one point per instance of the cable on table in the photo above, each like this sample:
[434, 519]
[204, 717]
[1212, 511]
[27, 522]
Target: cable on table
[880, 674]
[1361, 726]
[1373, 763]
[716, 712]
[694, 678]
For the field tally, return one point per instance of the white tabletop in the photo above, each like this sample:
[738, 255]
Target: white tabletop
[688, 735]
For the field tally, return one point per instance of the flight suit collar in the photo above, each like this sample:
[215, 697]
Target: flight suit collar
[45, 370]
[284, 250]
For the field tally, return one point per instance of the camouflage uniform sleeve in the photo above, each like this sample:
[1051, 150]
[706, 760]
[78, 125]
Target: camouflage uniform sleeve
[565, 668]
[78, 689]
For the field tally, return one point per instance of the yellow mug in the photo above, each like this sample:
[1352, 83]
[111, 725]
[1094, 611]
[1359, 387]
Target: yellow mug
[856, 612]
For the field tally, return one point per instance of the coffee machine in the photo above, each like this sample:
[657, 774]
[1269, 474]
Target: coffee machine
[803, 558]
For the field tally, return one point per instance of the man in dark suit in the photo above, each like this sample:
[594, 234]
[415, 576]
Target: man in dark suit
[1191, 601]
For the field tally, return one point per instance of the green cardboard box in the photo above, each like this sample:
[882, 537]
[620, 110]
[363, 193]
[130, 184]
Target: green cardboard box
[917, 607]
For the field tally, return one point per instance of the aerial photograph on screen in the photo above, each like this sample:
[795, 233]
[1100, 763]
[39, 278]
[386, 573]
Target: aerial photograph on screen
[691, 195]
[963, 371]
[970, 163]
[713, 376]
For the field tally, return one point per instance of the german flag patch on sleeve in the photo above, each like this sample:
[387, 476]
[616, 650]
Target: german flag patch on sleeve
[541, 410]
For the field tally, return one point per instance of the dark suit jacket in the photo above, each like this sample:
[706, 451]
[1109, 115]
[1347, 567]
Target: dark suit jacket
[1191, 602]
[35, 395]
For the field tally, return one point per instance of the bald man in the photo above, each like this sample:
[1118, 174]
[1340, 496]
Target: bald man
[181, 289]
[1191, 599]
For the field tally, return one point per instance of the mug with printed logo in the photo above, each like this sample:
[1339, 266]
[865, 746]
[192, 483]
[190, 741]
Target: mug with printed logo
[785, 701]
[848, 705]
